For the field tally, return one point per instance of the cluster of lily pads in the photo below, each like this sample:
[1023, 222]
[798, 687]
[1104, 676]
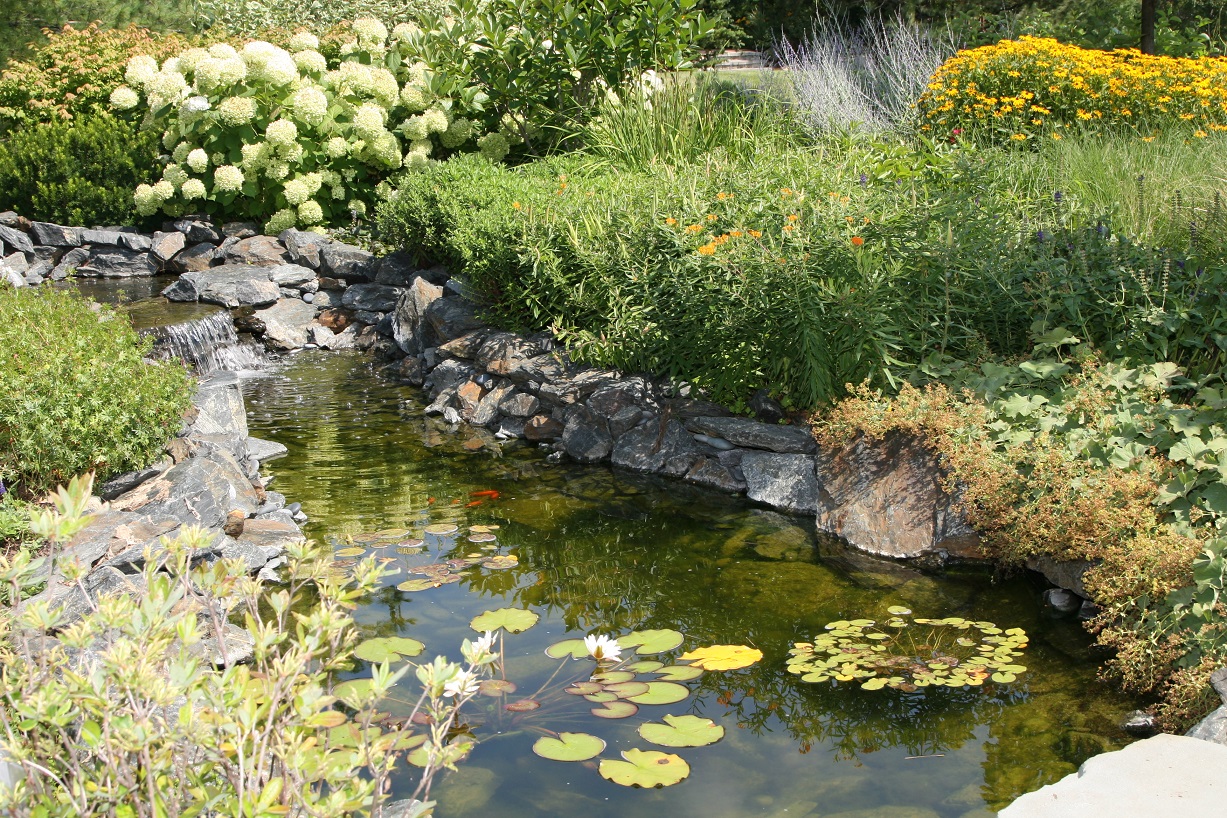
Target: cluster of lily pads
[908, 654]
[443, 536]
[623, 678]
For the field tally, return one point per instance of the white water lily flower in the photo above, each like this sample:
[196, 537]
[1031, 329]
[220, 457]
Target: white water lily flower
[603, 648]
[485, 642]
[464, 683]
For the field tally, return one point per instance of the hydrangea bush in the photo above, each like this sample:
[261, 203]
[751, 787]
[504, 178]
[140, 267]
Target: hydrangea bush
[288, 138]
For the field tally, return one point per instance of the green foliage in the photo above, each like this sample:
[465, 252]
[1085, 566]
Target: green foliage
[252, 18]
[80, 171]
[75, 394]
[30, 23]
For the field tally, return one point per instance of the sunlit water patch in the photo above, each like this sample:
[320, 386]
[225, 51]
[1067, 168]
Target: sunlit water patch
[594, 550]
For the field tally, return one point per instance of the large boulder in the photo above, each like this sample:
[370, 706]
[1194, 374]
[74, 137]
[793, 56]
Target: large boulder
[286, 323]
[304, 246]
[586, 438]
[886, 497]
[659, 445]
[371, 297]
[755, 435]
[257, 251]
[347, 262]
[219, 405]
[115, 262]
[15, 238]
[784, 481]
[409, 326]
[231, 285]
[201, 491]
[451, 317]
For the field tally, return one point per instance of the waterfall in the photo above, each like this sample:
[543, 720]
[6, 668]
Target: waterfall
[209, 344]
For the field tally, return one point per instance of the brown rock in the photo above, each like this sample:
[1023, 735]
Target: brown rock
[270, 532]
[469, 395]
[194, 259]
[336, 318]
[259, 251]
[542, 427]
[234, 523]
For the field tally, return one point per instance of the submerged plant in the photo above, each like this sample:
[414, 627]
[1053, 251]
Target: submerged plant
[907, 655]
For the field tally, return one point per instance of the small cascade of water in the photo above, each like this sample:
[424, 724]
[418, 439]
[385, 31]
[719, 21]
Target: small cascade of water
[209, 344]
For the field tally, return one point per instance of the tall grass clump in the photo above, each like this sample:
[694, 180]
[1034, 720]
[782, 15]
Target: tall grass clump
[865, 78]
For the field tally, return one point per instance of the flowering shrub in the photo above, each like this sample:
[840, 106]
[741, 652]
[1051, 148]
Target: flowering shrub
[288, 137]
[1039, 88]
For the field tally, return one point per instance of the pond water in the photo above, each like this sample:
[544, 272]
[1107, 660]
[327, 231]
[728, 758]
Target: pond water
[603, 551]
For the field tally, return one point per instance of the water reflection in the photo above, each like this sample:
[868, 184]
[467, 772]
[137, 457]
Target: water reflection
[614, 552]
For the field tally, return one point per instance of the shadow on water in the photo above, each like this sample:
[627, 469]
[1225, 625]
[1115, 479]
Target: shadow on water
[606, 551]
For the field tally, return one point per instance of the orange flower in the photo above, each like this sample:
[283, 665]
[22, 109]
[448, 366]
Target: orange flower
[788, 228]
[693, 228]
[857, 241]
[758, 234]
[515, 205]
[792, 217]
[707, 249]
[722, 196]
[735, 234]
[670, 221]
[711, 217]
[785, 191]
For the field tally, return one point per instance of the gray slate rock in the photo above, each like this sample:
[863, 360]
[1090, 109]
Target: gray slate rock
[710, 472]
[754, 435]
[258, 251]
[219, 405]
[118, 263]
[396, 269]
[165, 246]
[286, 323]
[55, 235]
[195, 230]
[487, 409]
[231, 285]
[69, 262]
[127, 481]
[262, 450]
[304, 246]
[117, 238]
[646, 448]
[12, 237]
[194, 259]
[519, 405]
[1212, 728]
[451, 317]
[371, 297]
[235, 646]
[585, 437]
[291, 275]
[347, 262]
[240, 230]
[784, 481]
[200, 491]
[409, 327]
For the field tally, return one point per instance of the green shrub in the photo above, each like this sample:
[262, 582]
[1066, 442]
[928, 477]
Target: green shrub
[79, 172]
[75, 394]
[252, 18]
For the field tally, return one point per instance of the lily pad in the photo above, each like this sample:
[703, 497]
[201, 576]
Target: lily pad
[601, 696]
[412, 542]
[349, 552]
[613, 677]
[388, 649]
[898, 610]
[645, 666]
[482, 537]
[500, 563]
[411, 585]
[574, 648]
[569, 747]
[523, 706]
[584, 689]
[441, 529]
[679, 673]
[653, 641]
[661, 693]
[682, 731]
[723, 657]
[512, 620]
[626, 690]
[496, 687]
[645, 768]
[615, 710]
[352, 690]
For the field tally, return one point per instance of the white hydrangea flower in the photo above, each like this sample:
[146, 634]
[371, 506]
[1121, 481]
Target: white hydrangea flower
[281, 69]
[415, 97]
[281, 220]
[368, 120]
[351, 79]
[304, 41]
[169, 138]
[338, 192]
[292, 154]
[236, 111]
[310, 212]
[193, 189]
[217, 157]
[222, 51]
[257, 52]
[386, 149]
[422, 146]
[384, 190]
[650, 82]
[124, 98]
[494, 146]
[140, 70]
[277, 171]
[295, 192]
[457, 133]
[227, 179]
[416, 162]
[198, 160]
[313, 181]
[436, 120]
[172, 64]
[254, 155]
[192, 108]
[233, 71]
[179, 154]
[370, 32]
[310, 104]
[164, 190]
[174, 174]
[357, 207]
[166, 87]
[207, 75]
[191, 58]
[384, 87]
[281, 132]
[147, 202]
[336, 147]
[310, 62]
[414, 128]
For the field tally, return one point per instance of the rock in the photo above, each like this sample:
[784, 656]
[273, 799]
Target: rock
[442, 402]
[371, 297]
[886, 497]
[346, 339]
[12, 237]
[710, 472]
[304, 246]
[468, 395]
[127, 481]
[346, 262]
[539, 369]
[271, 534]
[117, 238]
[451, 317]
[767, 408]
[336, 318]
[69, 263]
[464, 348]
[784, 481]
[500, 352]
[396, 269]
[487, 410]
[1212, 728]
[519, 405]
[235, 646]
[1159, 776]
[240, 230]
[101, 582]
[1067, 575]
[290, 275]
[585, 437]
[1062, 601]
[117, 263]
[195, 230]
[286, 323]
[233, 526]
[201, 490]
[55, 235]
[542, 428]
[411, 370]
[509, 428]
[450, 373]
[625, 420]
[567, 390]
[754, 435]
[219, 408]
[608, 401]
[14, 279]
[409, 326]
[194, 259]
[231, 285]
[258, 251]
[16, 263]
[262, 450]
[653, 447]
[1140, 723]
[321, 336]
[164, 246]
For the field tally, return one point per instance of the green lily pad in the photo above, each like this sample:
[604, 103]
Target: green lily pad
[500, 563]
[412, 542]
[898, 610]
[662, 693]
[645, 666]
[682, 731]
[441, 529]
[388, 649]
[679, 673]
[349, 552]
[583, 689]
[645, 768]
[613, 677]
[512, 620]
[626, 690]
[574, 648]
[615, 710]
[654, 641]
[569, 747]
[876, 683]
[496, 687]
[482, 538]
[411, 585]
[1003, 677]
[523, 706]
[352, 690]
[601, 696]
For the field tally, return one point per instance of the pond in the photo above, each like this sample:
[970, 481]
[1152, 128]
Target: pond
[598, 550]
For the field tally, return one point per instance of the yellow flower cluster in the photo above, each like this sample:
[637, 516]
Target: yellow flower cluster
[1035, 87]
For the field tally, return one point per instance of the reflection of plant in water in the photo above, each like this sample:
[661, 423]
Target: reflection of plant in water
[910, 655]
